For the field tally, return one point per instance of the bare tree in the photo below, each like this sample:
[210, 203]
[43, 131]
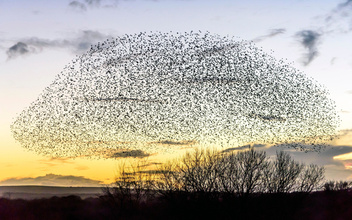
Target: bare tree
[199, 171]
[311, 178]
[132, 185]
[168, 181]
[284, 175]
[337, 185]
[243, 172]
[208, 173]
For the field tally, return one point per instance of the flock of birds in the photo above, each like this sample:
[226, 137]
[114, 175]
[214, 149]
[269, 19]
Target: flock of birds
[161, 91]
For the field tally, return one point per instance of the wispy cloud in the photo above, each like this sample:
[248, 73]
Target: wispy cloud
[51, 162]
[335, 169]
[130, 153]
[336, 158]
[347, 3]
[267, 117]
[344, 137]
[272, 33]
[338, 20]
[171, 142]
[19, 49]
[77, 5]
[52, 180]
[123, 99]
[245, 147]
[78, 44]
[84, 5]
[309, 39]
[342, 10]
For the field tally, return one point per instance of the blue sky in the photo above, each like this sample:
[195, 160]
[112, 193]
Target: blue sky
[38, 38]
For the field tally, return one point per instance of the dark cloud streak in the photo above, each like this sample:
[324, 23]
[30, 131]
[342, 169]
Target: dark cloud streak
[309, 39]
[79, 44]
[131, 153]
[18, 49]
[273, 33]
[77, 5]
[84, 5]
[345, 4]
[170, 142]
[245, 147]
[337, 18]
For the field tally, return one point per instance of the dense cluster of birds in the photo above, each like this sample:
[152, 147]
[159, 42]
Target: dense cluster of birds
[160, 91]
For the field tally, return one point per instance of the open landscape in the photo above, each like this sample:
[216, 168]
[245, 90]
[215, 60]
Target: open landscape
[40, 192]
[196, 109]
[317, 205]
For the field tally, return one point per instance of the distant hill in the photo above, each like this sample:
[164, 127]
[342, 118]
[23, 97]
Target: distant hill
[38, 192]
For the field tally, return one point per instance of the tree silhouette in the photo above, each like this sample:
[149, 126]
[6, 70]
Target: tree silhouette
[243, 172]
[211, 174]
[285, 173]
[311, 178]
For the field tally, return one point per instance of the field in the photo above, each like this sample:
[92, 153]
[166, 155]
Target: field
[40, 204]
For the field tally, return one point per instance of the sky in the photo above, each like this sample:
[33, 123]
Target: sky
[38, 38]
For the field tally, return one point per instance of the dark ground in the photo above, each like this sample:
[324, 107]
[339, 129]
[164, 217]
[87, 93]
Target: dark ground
[317, 205]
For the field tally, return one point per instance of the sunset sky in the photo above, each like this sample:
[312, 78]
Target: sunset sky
[38, 38]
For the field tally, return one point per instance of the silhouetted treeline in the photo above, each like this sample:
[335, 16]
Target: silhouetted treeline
[245, 184]
[216, 174]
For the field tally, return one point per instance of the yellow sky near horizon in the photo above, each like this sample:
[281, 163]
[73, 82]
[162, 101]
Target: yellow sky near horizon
[21, 163]
[17, 162]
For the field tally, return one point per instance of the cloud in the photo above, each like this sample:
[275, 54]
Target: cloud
[19, 49]
[153, 171]
[170, 142]
[245, 147]
[123, 99]
[54, 161]
[309, 39]
[345, 4]
[339, 19]
[349, 92]
[149, 164]
[341, 10]
[95, 3]
[336, 169]
[272, 33]
[77, 5]
[267, 117]
[131, 153]
[333, 60]
[344, 137]
[79, 44]
[52, 180]
[85, 4]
